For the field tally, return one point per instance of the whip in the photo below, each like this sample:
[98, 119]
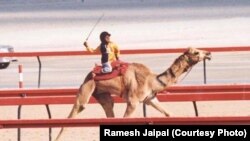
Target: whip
[99, 19]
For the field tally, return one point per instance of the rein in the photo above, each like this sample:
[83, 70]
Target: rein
[186, 74]
[162, 74]
[190, 63]
[159, 80]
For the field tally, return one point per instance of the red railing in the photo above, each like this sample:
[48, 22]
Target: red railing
[135, 51]
[43, 123]
[175, 93]
[179, 93]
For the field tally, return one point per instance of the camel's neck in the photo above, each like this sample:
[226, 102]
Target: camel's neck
[180, 66]
[171, 75]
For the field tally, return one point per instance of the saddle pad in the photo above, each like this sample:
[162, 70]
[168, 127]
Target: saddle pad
[118, 69]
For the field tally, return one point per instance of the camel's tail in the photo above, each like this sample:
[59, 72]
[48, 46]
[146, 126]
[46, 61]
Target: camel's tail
[75, 110]
[59, 135]
[82, 99]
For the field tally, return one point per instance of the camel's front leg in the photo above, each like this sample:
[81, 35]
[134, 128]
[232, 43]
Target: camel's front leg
[131, 106]
[107, 103]
[154, 102]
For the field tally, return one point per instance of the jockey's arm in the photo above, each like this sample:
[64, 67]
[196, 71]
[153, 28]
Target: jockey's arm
[91, 49]
[117, 52]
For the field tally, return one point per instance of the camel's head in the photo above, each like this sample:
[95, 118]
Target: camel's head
[194, 55]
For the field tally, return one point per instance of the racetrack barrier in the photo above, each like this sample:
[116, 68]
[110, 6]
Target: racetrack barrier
[20, 85]
[43, 123]
[233, 95]
[174, 93]
[136, 51]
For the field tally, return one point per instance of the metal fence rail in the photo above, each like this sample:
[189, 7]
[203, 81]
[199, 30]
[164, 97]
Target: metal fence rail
[135, 51]
[45, 123]
[214, 96]
[177, 93]
[67, 96]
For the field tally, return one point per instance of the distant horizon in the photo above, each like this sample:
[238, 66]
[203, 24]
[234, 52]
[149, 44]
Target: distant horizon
[38, 25]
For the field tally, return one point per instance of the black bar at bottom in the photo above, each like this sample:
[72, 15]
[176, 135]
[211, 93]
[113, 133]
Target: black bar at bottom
[174, 132]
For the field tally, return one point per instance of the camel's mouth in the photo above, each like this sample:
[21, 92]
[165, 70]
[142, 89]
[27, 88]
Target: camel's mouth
[208, 56]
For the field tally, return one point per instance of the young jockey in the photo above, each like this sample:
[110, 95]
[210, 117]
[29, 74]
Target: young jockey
[109, 51]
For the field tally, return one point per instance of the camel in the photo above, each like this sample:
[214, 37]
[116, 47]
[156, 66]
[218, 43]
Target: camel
[138, 85]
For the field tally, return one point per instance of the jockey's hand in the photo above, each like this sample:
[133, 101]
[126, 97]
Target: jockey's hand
[85, 44]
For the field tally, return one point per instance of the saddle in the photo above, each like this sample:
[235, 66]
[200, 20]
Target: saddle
[118, 69]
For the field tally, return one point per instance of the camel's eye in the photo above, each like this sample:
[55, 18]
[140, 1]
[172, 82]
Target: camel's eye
[196, 53]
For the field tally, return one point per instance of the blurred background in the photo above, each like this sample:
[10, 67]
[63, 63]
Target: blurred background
[61, 25]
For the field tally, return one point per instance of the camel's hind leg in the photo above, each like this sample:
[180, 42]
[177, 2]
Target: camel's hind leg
[107, 103]
[132, 103]
[85, 92]
[154, 102]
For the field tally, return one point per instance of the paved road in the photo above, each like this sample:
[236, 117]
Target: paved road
[34, 25]
[38, 25]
